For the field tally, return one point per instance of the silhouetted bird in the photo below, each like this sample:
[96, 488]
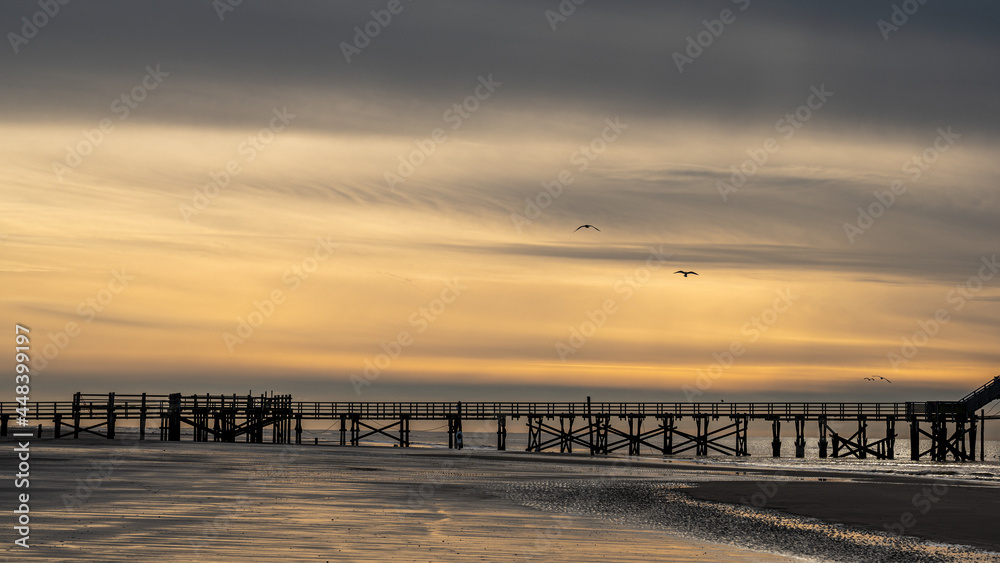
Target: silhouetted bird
[685, 273]
[586, 227]
[876, 378]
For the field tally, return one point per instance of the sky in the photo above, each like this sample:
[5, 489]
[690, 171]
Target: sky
[379, 200]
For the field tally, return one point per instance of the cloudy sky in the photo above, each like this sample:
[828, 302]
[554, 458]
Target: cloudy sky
[377, 200]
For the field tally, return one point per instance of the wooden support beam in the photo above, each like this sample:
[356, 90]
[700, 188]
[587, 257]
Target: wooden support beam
[667, 425]
[566, 434]
[776, 438]
[590, 428]
[404, 431]
[111, 416]
[742, 424]
[561, 436]
[857, 444]
[501, 433]
[142, 418]
[298, 430]
[88, 429]
[628, 439]
[822, 437]
[800, 436]
[601, 425]
[357, 425]
[534, 434]
[76, 415]
[972, 438]
[702, 446]
[704, 440]
[634, 433]
[939, 428]
[890, 438]
[862, 435]
[455, 438]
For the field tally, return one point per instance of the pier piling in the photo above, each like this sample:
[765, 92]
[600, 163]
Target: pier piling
[949, 429]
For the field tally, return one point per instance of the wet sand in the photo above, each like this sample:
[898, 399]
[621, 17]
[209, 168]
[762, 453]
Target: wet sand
[97, 500]
[155, 501]
[935, 510]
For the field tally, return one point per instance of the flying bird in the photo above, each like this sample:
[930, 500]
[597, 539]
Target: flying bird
[685, 273]
[586, 227]
[876, 378]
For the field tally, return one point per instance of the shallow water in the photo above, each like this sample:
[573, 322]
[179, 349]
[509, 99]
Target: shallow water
[98, 500]
[619, 494]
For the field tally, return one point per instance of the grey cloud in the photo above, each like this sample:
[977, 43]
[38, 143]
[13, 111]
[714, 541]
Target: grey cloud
[609, 56]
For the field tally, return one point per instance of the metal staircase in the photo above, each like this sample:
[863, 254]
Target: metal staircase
[989, 392]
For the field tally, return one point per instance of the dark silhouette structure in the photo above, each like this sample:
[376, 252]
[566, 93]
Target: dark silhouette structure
[600, 428]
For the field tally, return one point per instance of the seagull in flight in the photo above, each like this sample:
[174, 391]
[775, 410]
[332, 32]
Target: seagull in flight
[685, 273]
[587, 227]
[880, 377]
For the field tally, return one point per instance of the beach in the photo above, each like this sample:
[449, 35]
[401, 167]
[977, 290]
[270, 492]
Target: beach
[124, 500]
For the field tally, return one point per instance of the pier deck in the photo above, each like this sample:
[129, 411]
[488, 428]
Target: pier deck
[637, 427]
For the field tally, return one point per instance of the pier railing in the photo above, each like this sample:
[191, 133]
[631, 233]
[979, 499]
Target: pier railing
[131, 406]
[601, 428]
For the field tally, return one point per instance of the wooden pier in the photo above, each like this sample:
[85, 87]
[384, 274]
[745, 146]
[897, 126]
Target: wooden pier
[667, 429]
